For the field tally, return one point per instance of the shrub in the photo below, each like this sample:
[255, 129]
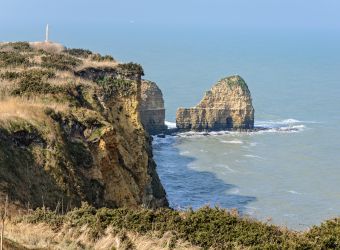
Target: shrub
[10, 75]
[209, 228]
[9, 58]
[79, 52]
[60, 61]
[27, 88]
[34, 82]
[130, 68]
[21, 46]
[112, 86]
[99, 58]
[32, 75]
[43, 215]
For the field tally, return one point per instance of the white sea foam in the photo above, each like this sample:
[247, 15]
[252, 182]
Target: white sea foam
[230, 169]
[184, 153]
[289, 125]
[254, 156]
[234, 191]
[232, 142]
[293, 192]
[170, 125]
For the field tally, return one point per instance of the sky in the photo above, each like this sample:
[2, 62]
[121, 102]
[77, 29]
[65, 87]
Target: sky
[19, 15]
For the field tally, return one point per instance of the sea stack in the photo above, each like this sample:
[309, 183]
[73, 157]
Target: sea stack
[227, 106]
[152, 110]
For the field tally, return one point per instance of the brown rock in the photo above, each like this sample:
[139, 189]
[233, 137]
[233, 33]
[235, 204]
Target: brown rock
[152, 108]
[228, 105]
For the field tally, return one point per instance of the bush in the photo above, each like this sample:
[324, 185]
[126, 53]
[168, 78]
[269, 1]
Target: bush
[10, 58]
[112, 86]
[209, 228]
[34, 82]
[99, 58]
[21, 46]
[130, 68]
[79, 52]
[43, 215]
[32, 75]
[10, 75]
[60, 61]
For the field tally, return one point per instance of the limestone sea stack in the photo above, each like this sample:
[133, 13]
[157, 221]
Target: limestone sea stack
[227, 106]
[152, 110]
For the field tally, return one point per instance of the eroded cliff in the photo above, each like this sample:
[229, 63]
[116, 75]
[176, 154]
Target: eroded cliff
[70, 131]
[228, 105]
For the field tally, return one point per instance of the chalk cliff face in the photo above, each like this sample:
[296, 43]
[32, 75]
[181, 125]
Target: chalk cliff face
[70, 131]
[228, 105]
[152, 108]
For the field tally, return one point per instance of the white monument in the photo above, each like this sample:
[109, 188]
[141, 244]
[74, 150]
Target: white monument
[46, 35]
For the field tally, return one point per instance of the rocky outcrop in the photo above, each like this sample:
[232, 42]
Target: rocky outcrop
[228, 105]
[79, 139]
[152, 108]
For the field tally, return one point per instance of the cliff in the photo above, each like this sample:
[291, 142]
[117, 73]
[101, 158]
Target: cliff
[228, 105]
[70, 131]
[152, 108]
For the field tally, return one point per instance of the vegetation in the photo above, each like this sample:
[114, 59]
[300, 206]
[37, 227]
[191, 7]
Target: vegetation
[14, 59]
[113, 86]
[99, 58]
[16, 46]
[79, 52]
[207, 227]
[131, 68]
[60, 61]
[34, 81]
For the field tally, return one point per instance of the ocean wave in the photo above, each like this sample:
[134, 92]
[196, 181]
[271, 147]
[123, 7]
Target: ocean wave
[289, 125]
[277, 123]
[293, 192]
[232, 141]
[254, 156]
[168, 139]
[234, 191]
[171, 125]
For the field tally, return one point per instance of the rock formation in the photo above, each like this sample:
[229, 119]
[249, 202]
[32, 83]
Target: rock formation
[228, 105]
[152, 108]
[70, 131]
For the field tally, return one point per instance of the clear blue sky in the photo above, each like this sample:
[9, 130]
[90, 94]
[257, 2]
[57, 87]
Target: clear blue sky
[241, 14]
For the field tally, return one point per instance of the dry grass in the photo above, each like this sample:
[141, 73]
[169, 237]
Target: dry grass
[48, 46]
[24, 108]
[91, 63]
[43, 237]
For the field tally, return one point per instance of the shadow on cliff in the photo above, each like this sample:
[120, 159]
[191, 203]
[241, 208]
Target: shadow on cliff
[186, 187]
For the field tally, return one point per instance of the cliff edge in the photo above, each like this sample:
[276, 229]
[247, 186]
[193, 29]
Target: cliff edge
[70, 131]
[227, 106]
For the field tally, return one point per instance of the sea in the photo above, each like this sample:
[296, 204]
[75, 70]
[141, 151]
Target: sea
[288, 174]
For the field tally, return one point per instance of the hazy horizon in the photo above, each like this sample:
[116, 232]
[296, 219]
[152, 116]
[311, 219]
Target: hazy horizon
[27, 20]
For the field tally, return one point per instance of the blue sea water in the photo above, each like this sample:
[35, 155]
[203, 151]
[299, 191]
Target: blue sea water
[288, 175]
